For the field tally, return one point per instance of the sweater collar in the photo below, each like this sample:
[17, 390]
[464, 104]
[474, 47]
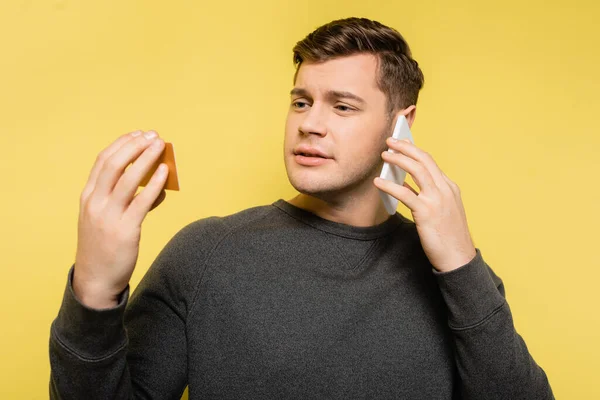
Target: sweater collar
[340, 229]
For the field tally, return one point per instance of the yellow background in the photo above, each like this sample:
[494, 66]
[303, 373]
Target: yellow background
[509, 110]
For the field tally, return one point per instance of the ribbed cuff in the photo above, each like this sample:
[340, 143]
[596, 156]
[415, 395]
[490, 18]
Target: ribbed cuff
[470, 293]
[90, 333]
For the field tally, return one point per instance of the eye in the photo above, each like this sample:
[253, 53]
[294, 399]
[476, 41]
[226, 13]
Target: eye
[299, 105]
[344, 108]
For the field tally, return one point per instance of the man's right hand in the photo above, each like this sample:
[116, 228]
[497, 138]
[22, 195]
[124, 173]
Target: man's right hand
[111, 215]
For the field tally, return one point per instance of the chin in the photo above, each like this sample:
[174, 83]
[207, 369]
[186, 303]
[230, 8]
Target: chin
[311, 182]
[308, 185]
[319, 184]
[327, 182]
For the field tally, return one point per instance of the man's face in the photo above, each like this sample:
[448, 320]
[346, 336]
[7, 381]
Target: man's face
[337, 109]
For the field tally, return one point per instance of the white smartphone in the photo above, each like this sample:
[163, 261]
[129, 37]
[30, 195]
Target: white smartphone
[392, 172]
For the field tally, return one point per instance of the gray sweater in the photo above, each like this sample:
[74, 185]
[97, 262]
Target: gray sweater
[274, 302]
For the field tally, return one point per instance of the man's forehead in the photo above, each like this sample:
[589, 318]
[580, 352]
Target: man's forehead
[353, 74]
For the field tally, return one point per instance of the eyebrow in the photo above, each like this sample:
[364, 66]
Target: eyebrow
[330, 95]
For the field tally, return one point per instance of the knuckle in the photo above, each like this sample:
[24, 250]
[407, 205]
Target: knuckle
[112, 164]
[127, 180]
[83, 197]
[420, 168]
[448, 192]
[93, 206]
[101, 157]
[141, 144]
[135, 202]
[92, 211]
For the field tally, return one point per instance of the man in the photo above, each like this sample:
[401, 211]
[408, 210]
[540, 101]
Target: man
[322, 296]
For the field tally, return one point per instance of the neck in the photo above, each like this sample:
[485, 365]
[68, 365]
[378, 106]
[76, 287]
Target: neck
[361, 211]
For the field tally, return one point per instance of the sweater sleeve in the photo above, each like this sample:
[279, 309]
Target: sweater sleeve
[137, 349]
[492, 358]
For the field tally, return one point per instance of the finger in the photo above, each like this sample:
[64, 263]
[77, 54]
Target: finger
[115, 165]
[410, 150]
[102, 157]
[451, 184]
[142, 203]
[161, 197]
[129, 182]
[418, 171]
[410, 187]
[403, 194]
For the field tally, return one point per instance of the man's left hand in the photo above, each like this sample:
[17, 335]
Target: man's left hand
[437, 209]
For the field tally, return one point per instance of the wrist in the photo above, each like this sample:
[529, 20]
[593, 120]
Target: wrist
[92, 295]
[456, 261]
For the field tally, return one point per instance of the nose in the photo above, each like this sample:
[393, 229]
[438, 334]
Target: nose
[313, 122]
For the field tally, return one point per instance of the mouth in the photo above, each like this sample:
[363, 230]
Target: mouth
[310, 155]
[310, 160]
[309, 151]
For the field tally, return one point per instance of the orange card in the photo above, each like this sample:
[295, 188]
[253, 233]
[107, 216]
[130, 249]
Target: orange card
[167, 157]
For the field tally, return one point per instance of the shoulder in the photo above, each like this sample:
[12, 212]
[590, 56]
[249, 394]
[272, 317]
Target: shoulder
[201, 236]
[182, 261]
[219, 226]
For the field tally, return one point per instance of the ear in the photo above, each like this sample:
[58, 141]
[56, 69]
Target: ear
[410, 113]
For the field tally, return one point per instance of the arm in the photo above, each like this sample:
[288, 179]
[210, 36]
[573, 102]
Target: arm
[492, 359]
[101, 346]
[138, 348]
[93, 356]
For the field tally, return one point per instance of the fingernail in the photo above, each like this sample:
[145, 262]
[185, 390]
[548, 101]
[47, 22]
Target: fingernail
[150, 134]
[136, 133]
[394, 139]
[156, 145]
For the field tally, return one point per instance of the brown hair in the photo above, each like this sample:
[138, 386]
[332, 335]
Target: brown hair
[399, 78]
